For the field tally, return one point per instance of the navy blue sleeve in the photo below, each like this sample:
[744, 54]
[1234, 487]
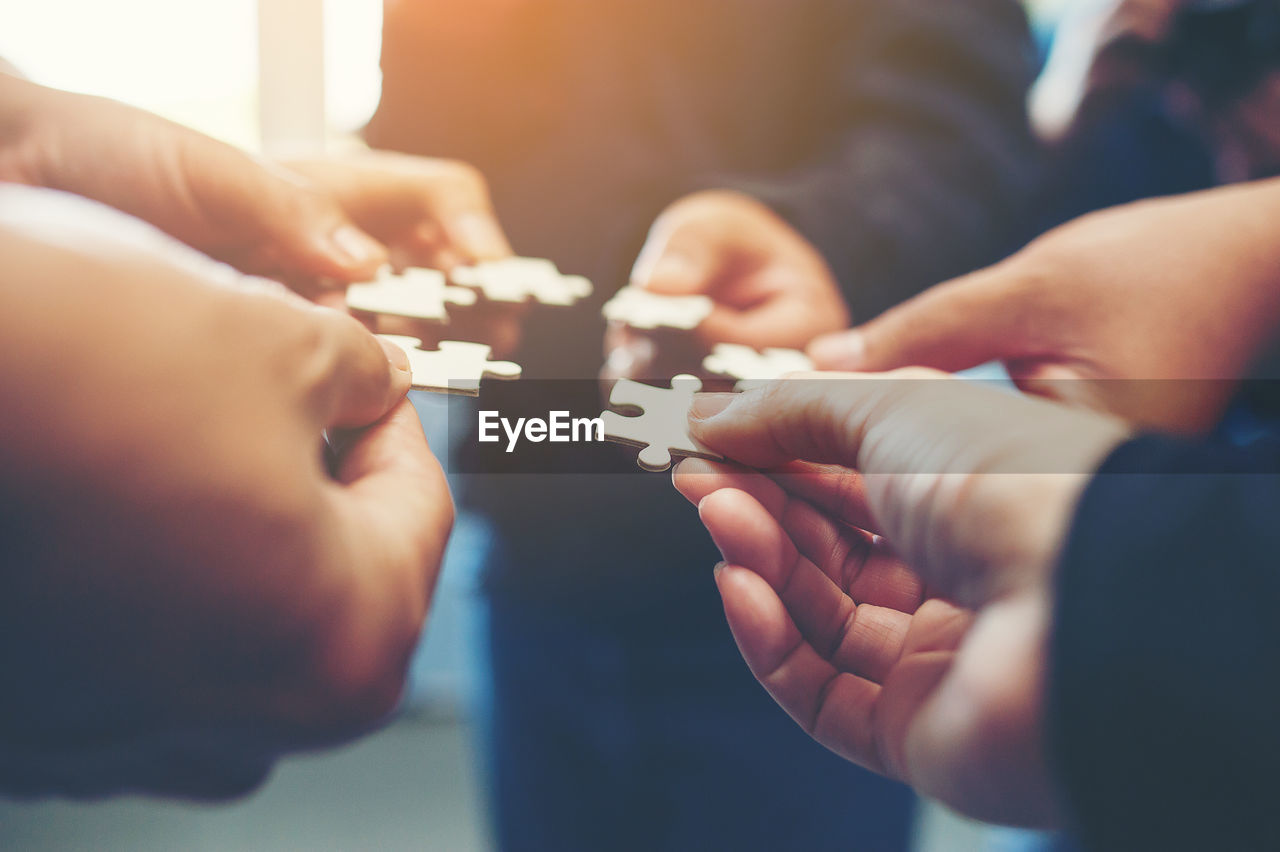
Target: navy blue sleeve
[1164, 695]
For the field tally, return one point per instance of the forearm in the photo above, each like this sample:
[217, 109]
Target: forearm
[1163, 692]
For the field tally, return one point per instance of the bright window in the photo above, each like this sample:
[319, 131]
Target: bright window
[195, 62]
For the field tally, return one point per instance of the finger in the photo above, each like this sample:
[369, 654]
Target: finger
[835, 708]
[697, 479]
[395, 485]
[826, 418]
[682, 256]
[860, 565]
[953, 326]
[465, 212]
[363, 375]
[391, 470]
[425, 244]
[837, 490]
[862, 639]
[476, 234]
[771, 323]
[394, 514]
[301, 232]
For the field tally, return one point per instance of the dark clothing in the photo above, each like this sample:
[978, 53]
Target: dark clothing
[645, 739]
[1165, 671]
[893, 134]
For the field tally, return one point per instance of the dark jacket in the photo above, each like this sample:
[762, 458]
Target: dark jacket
[1165, 673]
[892, 134]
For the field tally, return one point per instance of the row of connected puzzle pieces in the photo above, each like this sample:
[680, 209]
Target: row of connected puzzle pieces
[658, 419]
[427, 294]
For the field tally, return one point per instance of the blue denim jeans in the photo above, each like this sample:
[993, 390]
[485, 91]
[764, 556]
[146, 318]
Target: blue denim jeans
[650, 733]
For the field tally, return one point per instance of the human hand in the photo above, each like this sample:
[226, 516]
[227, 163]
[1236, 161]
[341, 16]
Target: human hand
[888, 578]
[771, 288]
[194, 588]
[428, 212]
[251, 214]
[1150, 311]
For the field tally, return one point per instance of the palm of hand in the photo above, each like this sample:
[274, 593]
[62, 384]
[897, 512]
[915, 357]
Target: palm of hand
[850, 643]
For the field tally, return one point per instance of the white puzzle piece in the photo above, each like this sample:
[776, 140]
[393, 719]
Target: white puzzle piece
[520, 279]
[455, 367]
[641, 309]
[752, 368]
[421, 294]
[662, 428]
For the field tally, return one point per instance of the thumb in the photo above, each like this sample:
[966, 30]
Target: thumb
[365, 376]
[953, 326]
[682, 257]
[302, 232]
[824, 418]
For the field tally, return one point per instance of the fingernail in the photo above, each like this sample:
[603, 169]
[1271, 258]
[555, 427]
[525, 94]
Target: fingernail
[720, 566]
[479, 236]
[708, 405]
[846, 350]
[671, 268]
[395, 355]
[356, 247]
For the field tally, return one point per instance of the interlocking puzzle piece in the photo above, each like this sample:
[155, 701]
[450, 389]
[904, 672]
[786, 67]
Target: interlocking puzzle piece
[752, 368]
[455, 367]
[421, 294]
[662, 428]
[519, 279]
[641, 309]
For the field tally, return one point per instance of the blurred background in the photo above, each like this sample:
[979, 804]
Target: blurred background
[279, 77]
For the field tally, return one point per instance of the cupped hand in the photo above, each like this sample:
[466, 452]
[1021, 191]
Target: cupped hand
[887, 576]
[200, 582]
[1152, 311]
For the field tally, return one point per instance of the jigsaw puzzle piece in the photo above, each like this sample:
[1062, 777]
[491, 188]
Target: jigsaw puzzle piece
[517, 280]
[641, 309]
[421, 294]
[754, 368]
[455, 367]
[564, 291]
[661, 430]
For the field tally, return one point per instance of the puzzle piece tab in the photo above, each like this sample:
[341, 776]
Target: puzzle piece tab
[641, 309]
[421, 294]
[661, 431]
[517, 280]
[752, 368]
[455, 367]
